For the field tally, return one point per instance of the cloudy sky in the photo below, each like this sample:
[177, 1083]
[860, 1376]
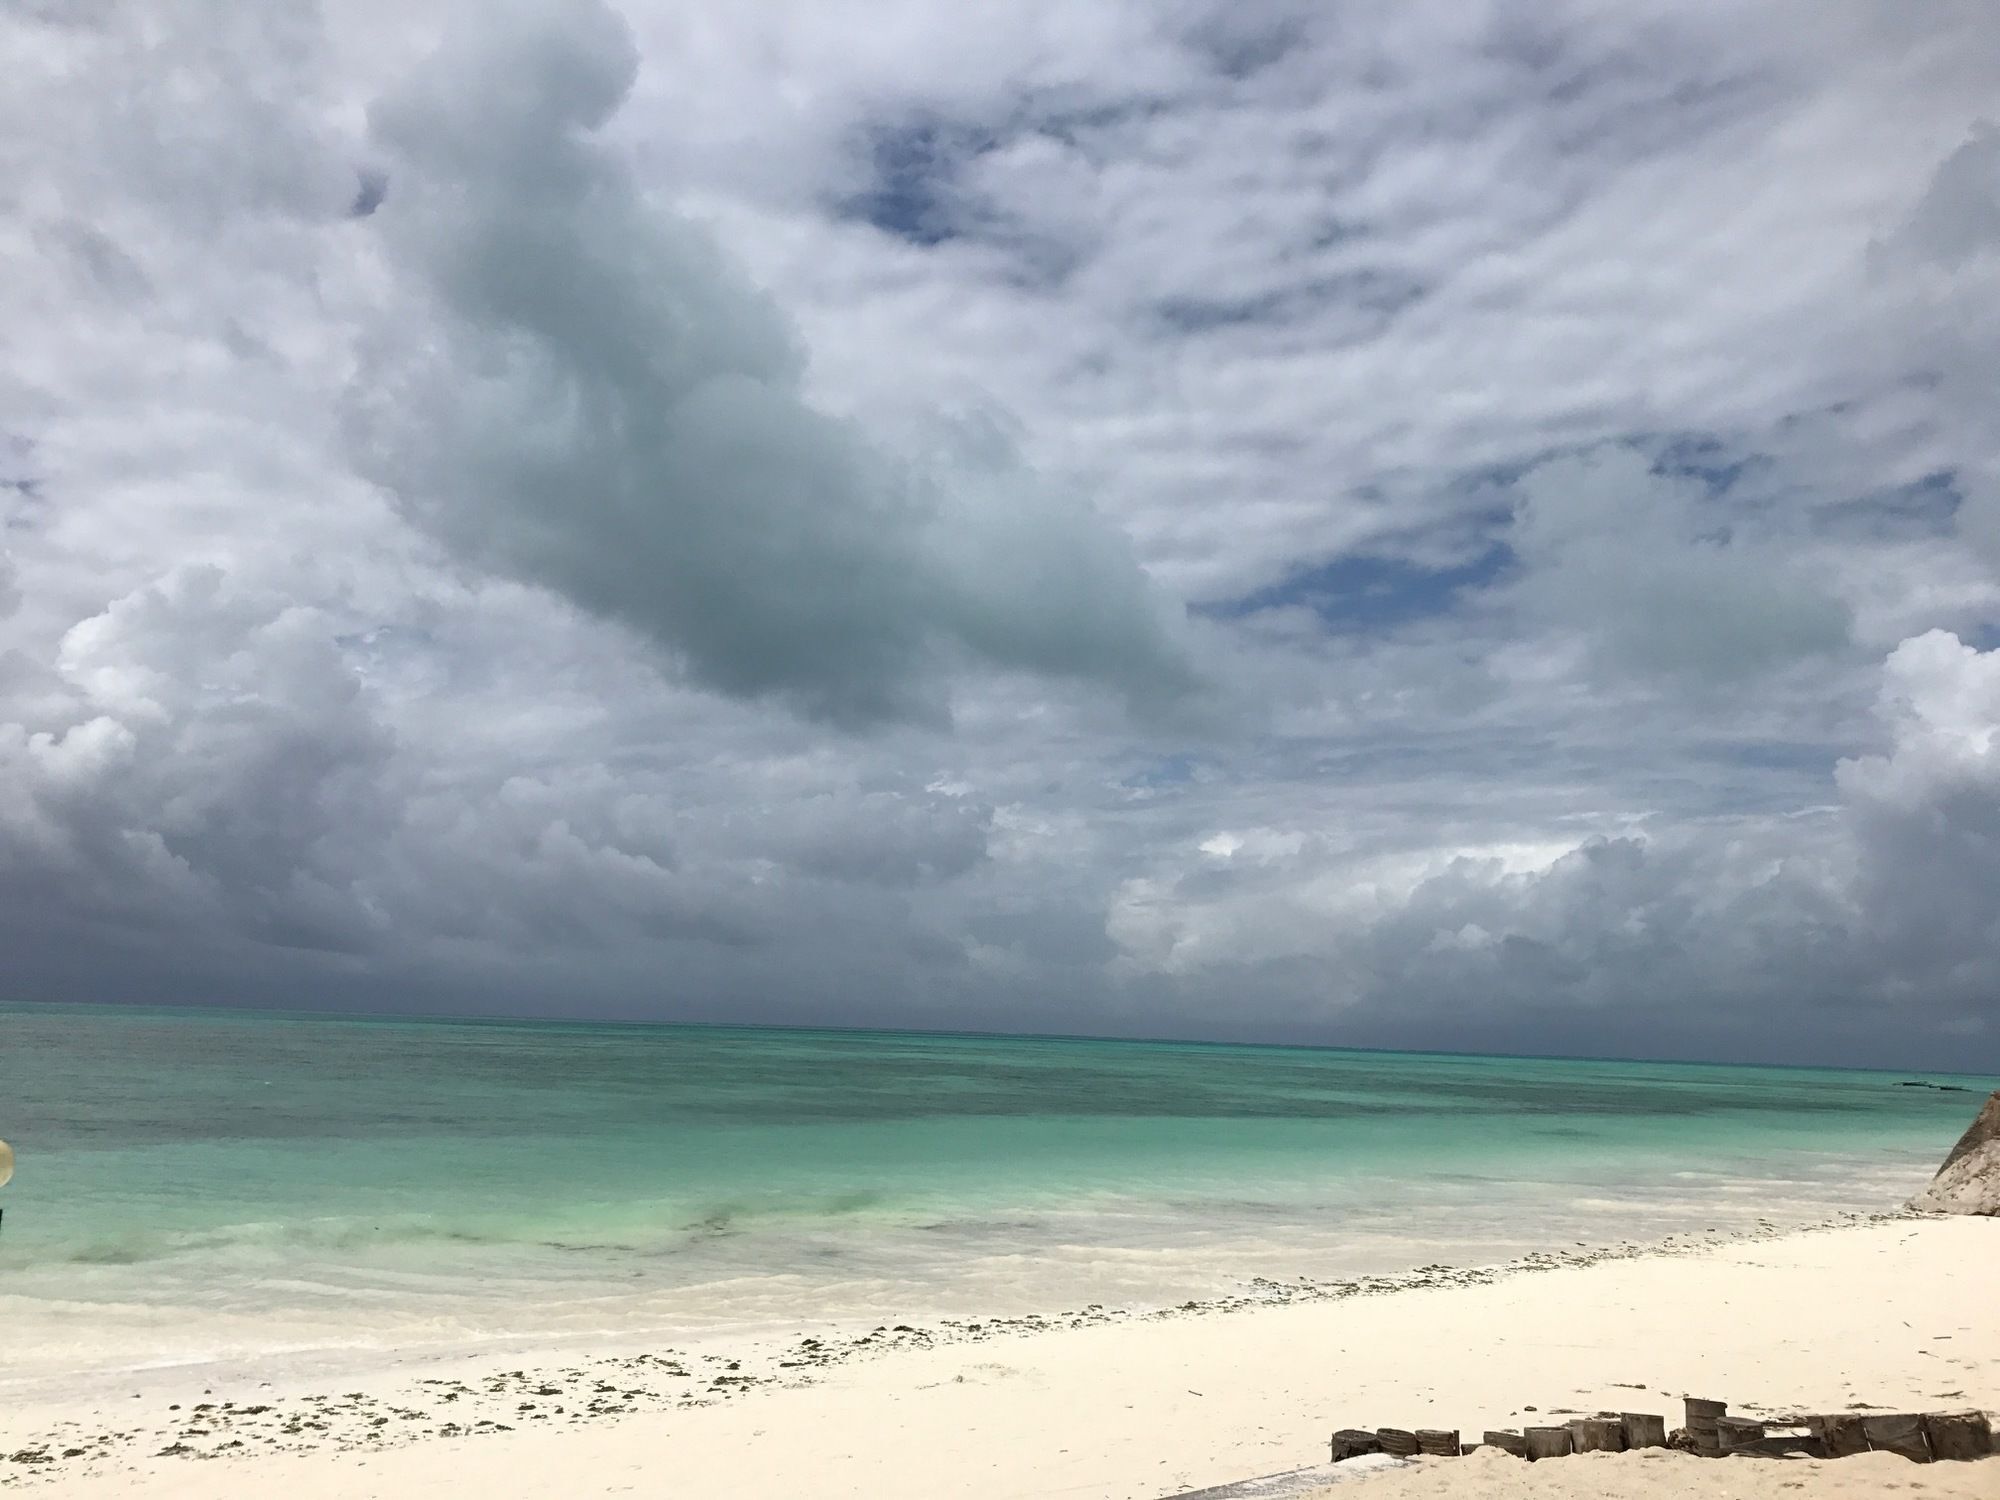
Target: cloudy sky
[1450, 523]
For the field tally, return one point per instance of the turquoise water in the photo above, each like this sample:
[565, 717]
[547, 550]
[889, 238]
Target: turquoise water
[260, 1182]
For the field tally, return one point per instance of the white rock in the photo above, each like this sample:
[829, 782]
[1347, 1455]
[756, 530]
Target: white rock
[1969, 1180]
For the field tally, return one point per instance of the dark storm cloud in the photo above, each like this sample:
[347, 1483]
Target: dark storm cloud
[611, 411]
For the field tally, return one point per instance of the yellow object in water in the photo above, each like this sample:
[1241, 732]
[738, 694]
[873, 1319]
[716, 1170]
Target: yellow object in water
[6, 1162]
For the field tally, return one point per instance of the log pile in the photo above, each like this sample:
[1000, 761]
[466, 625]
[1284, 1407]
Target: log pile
[1710, 1431]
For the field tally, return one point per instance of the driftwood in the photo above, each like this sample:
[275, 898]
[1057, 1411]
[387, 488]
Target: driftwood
[1546, 1442]
[1897, 1432]
[1596, 1434]
[1958, 1434]
[1642, 1429]
[1710, 1431]
[1782, 1445]
[1397, 1441]
[1841, 1433]
[1702, 1416]
[1734, 1433]
[1352, 1442]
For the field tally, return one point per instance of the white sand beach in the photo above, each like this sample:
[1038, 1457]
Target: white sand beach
[1659, 1475]
[1899, 1313]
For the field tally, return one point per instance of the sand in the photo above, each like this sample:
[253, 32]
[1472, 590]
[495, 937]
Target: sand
[1659, 1475]
[1899, 1314]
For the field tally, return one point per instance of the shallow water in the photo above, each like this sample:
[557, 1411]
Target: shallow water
[201, 1186]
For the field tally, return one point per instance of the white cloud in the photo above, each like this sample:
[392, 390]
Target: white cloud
[1883, 900]
[1927, 821]
[215, 765]
[1658, 580]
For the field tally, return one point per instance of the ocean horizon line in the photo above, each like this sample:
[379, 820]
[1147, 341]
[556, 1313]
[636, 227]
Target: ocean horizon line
[643, 1024]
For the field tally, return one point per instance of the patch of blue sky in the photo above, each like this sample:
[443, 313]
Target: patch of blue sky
[1366, 594]
[1924, 507]
[1167, 771]
[1702, 456]
[915, 165]
[1689, 455]
[370, 188]
[914, 168]
[1239, 42]
[1379, 293]
[22, 500]
[1771, 755]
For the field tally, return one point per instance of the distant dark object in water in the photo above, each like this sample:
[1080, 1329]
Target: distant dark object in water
[1942, 1088]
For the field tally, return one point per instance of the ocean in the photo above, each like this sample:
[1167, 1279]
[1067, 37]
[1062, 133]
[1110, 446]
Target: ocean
[223, 1189]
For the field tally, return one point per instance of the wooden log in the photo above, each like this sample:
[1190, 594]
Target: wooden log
[1507, 1442]
[1701, 1419]
[1352, 1442]
[1897, 1432]
[1783, 1445]
[1596, 1434]
[1704, 1413]
[1958, 1434]
[1546, 1442]
[1841, 1433]
[1732, 1433]
[1436, 1442]
[1643, 1430]
[1397, 1441]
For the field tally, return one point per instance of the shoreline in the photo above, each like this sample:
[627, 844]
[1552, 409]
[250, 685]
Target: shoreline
[442, 1401]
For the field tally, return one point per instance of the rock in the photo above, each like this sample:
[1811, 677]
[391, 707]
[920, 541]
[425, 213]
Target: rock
[1969, 1180]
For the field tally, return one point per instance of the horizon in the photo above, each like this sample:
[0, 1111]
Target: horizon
[406, 1018]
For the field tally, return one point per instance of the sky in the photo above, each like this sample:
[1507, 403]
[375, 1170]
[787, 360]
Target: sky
[1463, 524]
